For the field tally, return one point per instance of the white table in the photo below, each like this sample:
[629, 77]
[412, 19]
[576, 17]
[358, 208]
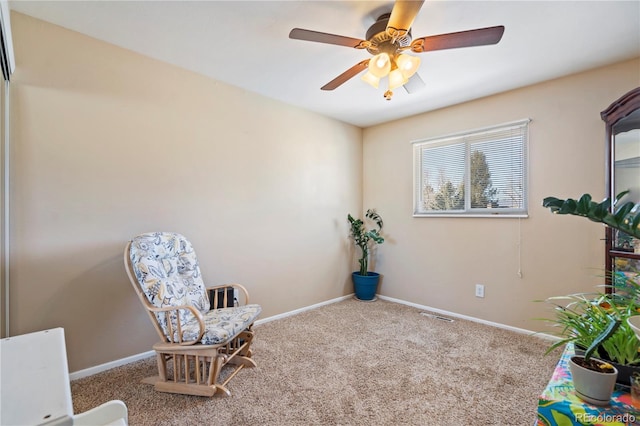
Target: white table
[35, 387]
[34, 380]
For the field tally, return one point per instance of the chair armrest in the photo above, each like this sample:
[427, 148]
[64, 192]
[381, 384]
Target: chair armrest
[112, 413]
[168, 310]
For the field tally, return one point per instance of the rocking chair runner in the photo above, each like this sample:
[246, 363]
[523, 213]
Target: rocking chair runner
[198, 336]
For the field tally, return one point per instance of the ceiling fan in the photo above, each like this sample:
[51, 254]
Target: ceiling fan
[388, 38]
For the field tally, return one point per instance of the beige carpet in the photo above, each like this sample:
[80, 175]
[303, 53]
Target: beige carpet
[354, 363]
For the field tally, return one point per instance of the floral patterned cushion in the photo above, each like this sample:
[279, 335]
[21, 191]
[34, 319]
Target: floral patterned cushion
[221, 324]
[166, 267]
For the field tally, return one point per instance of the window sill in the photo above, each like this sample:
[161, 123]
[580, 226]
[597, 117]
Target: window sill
[475, 215]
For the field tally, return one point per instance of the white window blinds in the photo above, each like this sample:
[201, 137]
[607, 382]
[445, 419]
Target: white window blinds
[475, 173]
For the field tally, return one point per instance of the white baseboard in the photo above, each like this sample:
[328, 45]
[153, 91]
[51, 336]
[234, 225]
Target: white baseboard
[109, 365]
[298, 311]
[469, 318]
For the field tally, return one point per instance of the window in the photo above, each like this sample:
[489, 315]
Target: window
[490, 162]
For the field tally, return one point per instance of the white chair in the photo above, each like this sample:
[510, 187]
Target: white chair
[111, 413]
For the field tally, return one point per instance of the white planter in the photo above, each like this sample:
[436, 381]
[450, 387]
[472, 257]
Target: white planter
[634, 323]
[592, 386]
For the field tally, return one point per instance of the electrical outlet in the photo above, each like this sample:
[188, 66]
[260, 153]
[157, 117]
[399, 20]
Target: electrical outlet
[479, 290]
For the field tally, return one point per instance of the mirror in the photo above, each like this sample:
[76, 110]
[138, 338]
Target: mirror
[626, 170]
[622, 118]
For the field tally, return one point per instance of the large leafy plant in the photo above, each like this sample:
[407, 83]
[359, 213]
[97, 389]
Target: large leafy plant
[363, 236]
[624, 217]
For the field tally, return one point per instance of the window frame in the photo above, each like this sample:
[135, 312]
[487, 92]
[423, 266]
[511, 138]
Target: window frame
[469, 137]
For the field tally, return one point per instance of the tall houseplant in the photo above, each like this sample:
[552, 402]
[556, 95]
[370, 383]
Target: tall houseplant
[365, 282]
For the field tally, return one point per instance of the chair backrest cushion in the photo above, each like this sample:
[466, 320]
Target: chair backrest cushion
[167, 270]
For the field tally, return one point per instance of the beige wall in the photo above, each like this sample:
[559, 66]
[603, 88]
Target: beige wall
[108, 144]
[437, 261]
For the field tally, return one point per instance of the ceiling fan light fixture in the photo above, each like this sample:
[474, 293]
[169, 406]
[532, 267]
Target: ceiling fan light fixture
[380, 65]
[368, 77]
[408, 64]
[396, 79]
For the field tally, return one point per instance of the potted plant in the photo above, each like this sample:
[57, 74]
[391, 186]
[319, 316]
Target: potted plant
[587, 316]
[582, 318]
[594, 379]
[365, 282]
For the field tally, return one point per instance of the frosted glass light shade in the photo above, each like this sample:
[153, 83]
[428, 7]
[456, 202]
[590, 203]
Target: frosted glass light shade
[380, 65]
[396, 79]
[368, 77]
[408, 64]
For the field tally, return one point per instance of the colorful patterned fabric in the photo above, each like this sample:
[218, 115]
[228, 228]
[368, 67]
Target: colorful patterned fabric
[559, 406]
[166, 267]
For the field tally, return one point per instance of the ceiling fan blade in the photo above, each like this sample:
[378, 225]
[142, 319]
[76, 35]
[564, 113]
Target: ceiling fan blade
[402, 16]
[345, 76]
[479, 37]
[309, 35]
[414, 84]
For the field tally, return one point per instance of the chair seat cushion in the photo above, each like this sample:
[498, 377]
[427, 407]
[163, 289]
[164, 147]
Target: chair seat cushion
[221, 324]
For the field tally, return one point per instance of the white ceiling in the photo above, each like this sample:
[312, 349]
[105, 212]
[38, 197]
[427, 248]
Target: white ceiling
[246, 44]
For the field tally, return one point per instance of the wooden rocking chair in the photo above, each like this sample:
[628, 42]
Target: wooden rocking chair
[201, 329]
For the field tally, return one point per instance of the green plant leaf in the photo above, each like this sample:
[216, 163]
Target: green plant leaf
[363, 237]
[583, 204]
[611, 328]
[619, 197]
[622, 212]
[552, 203]
[625, 217]
[582, 317]
[599, 211]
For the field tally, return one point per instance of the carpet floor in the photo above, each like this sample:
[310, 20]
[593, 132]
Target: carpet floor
[353, 363]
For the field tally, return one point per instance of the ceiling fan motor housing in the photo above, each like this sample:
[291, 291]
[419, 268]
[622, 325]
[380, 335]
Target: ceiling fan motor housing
[381, 41]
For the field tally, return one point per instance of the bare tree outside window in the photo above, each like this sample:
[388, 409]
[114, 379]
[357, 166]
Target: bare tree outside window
[483, 194]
